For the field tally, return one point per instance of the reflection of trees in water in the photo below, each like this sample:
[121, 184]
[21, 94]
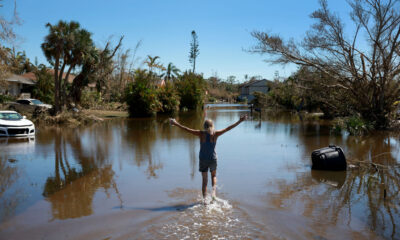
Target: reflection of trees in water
[193, 120]
[141, 135]
[361, 197]
[71, 189]
[8, 176]
[367, 193]
[374, 190]
[76, 200]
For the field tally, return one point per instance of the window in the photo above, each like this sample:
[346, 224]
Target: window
[36, 102]
[25, 102]
[10, 116]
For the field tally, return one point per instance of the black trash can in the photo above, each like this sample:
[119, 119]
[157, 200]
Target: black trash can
[329, 158]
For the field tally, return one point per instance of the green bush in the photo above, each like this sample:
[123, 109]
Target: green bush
[354, 125]
[211, 99]
[6, 98]
[44, 87]
[260, 100]
[91, 99]
[191, 90]
[168, 98]
[141, 96]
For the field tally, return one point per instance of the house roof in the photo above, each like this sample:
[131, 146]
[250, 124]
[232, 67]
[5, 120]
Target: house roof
[70, 77]
[254, 83]
[20, 79]
[30, 75]
[160, 82]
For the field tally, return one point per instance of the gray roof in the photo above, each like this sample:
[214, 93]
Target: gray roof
[256, 82]
[20, 79]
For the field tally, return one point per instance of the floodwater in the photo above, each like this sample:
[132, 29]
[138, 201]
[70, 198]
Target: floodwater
[139, 179]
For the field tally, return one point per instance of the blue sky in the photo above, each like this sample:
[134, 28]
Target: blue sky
[164, 27]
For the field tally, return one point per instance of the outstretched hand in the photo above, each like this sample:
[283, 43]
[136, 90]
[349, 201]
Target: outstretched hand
[172, 121]
[243, 117]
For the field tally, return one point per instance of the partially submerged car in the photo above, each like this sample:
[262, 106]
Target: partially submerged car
[28, 105]
[12, 124]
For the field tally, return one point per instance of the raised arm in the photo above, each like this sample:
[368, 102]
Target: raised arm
[189, 130]
[222, 131]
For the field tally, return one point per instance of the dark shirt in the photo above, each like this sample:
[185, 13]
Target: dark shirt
[207, 147]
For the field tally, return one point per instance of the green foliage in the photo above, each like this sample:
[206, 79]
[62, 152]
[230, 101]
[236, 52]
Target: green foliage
[141, 96]
[260, 100]
[354, 125]
[243, 100]
[211, 99]
[191, 90]
[91, 99]
[66, 46]
[194, 50]
[227, 90]
[168, 98]
[311, 90]
[171, 72]
[6, 98]
[44, 88]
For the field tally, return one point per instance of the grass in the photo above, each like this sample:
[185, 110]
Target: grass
[107, 113]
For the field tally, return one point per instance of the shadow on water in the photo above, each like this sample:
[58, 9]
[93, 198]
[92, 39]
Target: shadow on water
[172, 208]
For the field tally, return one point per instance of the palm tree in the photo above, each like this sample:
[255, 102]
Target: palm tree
[152, 63]
[65, 45]
[171, 72]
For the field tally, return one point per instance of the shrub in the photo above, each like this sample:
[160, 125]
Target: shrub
[44, 87]
[6, 98]
[211, 99]
[168, 98]
[191, 90]
[91, 99]
[354, 125]
[260, 100]
[141, 96]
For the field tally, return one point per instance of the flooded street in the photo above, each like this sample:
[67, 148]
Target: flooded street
[139, 179]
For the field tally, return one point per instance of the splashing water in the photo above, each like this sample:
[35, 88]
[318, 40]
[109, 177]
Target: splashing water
[216, 220]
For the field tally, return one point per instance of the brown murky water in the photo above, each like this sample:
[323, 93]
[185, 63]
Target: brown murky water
[138, 179]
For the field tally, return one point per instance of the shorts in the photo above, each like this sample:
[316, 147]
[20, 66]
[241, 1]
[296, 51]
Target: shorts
[204, 165]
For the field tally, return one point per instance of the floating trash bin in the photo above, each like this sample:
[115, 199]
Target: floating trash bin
[329, 158]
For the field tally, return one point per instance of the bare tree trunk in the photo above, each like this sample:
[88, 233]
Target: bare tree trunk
[56, 87]
[65, 83]
[60, 86]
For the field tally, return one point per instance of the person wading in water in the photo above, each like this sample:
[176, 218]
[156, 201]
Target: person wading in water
[207, 155]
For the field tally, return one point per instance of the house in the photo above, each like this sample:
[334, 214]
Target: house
[247, 89]
[17, 85]
[160, 83]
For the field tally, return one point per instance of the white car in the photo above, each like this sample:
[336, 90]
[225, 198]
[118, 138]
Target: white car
[12, 124]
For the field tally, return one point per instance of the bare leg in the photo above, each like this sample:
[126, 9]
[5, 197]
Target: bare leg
[214, 183]
[204, 186]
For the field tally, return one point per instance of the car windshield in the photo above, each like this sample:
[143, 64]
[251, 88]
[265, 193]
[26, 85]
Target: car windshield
[10, 116]
[36, 102]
